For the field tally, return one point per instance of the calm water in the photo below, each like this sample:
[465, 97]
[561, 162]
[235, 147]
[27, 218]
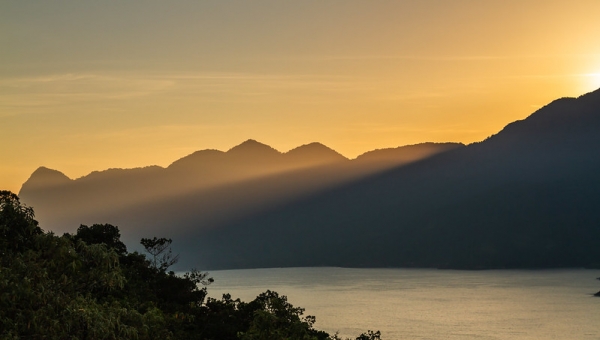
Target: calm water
[432, 304]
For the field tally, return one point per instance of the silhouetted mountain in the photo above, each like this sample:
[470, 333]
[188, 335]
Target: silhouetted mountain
[314, 154]
[44, 178]
[406, 154]
[255, 153]
[252, 148]
[525, 197]
[198, 160]
[206, 188]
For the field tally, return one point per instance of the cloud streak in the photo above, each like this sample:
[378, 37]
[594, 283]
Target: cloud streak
[440, 57]
[66, 89]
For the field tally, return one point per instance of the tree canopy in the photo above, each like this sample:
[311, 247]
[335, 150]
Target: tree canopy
[87, 286]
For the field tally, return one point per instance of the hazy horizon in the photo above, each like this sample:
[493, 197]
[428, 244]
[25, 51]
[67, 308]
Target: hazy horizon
[92, 86]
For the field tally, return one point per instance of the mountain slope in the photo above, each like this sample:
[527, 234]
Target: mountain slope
[406, 154]
[202, 190]
[314, 154]
[525, 197]
[43, 178]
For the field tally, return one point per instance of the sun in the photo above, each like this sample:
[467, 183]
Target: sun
[593, 80]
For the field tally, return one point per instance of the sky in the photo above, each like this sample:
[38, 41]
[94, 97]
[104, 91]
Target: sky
[89, 86]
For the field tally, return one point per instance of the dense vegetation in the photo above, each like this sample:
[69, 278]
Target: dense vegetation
[88, 286]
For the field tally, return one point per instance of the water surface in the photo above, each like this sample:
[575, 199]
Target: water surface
[432, 304]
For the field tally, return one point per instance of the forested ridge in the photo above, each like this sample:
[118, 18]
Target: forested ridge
[88, 286]
[526, 197]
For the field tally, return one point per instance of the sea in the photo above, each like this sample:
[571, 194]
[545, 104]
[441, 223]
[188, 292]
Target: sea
[430, 303]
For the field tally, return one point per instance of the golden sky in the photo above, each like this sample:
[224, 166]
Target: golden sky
[94, 85]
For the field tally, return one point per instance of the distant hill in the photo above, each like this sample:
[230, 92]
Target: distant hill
[201, 191]
[44, 178]
[314, 154]
[525, 197]
[392, 157]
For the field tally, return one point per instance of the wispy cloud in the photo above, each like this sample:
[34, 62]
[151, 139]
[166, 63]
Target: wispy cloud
[439, 57]
[552, 76]
[59, 93]
[61, 89]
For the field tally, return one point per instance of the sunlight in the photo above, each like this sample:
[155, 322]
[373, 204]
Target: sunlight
[593, 80]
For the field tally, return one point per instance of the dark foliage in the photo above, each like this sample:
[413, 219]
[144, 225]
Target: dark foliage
[102, 233]
[87, 286]
[17, 225]
[160, 249]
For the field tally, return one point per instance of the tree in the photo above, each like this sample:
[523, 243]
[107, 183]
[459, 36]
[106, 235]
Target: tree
[106, 234]
[57, 287]
[88, 287]
[370, 335]
[275, 318]
[18, 227]
[160, 249]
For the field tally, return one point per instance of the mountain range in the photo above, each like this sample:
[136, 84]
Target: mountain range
[526, 197]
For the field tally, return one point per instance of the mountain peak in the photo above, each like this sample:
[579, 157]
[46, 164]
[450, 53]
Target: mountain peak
[249, 143]
[315, 153]
[253, 148]
[43, 178]
[563, 118]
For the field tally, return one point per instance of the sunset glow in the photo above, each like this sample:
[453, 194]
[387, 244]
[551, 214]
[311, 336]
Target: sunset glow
[594, 80]
[91, 86]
